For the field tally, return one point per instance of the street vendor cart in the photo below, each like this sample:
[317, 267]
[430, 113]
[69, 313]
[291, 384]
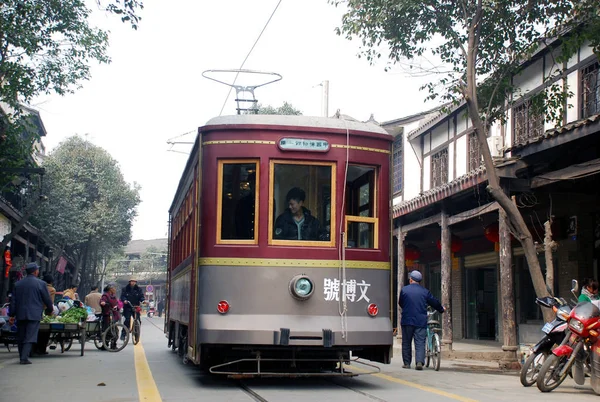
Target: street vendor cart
[65, 333]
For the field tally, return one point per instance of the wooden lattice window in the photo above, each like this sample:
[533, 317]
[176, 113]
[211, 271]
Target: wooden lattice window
[439, 168]
[474, 152]
[529, 120]
[590, 91]
[397, 159]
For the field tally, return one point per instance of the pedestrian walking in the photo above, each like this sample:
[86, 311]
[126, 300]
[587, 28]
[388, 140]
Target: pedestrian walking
[30, 299]
[414, 300]
[161, 307]
[93, 300]
[44, 337]
[50, 285]
[109, 305]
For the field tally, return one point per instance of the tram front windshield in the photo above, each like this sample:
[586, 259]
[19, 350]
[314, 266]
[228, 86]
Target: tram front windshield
[302, 202]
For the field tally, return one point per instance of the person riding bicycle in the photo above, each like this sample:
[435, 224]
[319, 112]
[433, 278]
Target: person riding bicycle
[414, 299]
[131, 296]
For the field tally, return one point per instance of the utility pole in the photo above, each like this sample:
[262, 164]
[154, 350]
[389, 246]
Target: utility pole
[325, 99]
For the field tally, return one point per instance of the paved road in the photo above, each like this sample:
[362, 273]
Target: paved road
[152, 373]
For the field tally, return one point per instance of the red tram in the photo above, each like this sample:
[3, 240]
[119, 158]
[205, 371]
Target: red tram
[279, 246]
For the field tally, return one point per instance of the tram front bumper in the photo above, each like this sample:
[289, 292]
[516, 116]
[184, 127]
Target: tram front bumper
[324, 331]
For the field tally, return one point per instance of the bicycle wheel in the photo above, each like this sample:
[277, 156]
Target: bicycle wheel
[436, 352]
[112, 338]
[98, 341]
[137, 329]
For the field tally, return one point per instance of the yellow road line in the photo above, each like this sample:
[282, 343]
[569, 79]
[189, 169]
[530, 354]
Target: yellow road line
[147, 389]
[418, 386]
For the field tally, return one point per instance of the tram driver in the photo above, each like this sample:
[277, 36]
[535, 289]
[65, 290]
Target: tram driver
[296, 222]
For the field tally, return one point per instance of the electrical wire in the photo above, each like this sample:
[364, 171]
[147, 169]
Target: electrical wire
[343, 304]
[248, 55]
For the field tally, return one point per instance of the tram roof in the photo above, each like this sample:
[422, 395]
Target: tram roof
[296, 122]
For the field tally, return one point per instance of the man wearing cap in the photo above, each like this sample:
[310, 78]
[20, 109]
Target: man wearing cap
[131, 296]
[30, 299]
[414, 300]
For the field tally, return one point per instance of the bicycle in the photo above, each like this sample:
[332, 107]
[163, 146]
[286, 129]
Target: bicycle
[135, 324]
[111, 339]
[433, 348]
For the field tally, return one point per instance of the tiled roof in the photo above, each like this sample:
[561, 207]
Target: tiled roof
[555, 132]
[439, 116]
[429, 197]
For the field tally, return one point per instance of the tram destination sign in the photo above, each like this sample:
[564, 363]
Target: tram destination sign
[303, 144]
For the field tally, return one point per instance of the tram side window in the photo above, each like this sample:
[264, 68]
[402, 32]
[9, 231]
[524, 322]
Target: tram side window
[361, 214]
[302, 202]
[238, 201]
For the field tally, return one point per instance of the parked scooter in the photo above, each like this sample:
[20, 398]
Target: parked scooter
[554, 335]
[584, 336]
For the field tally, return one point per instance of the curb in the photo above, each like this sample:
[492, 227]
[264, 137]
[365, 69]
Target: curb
[488, 363]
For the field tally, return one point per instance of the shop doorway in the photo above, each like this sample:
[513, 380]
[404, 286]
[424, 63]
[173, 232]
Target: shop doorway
[481, 303]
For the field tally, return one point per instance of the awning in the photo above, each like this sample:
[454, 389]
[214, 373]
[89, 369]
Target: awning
[572, 172]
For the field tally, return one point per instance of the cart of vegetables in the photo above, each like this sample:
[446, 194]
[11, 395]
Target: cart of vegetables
[70, 325]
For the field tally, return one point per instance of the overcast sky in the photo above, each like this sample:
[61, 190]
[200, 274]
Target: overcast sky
[153, 90]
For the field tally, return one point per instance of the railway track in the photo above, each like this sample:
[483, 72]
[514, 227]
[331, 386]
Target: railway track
[256, 396]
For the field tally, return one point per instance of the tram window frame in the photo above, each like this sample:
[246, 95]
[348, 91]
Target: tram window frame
[331, 212]
[367, 213]
[219, 231]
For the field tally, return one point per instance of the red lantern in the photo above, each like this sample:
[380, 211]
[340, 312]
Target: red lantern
[455, 244]
[492, 232]
[7, 262]
[411, 252]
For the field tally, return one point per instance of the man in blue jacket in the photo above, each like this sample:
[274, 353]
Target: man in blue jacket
[30, 299]
[414, 300]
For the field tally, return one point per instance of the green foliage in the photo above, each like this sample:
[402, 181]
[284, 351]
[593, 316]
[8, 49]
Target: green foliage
[47, 46]
[489, 40]
[285, 109]
[89, 202]
[126, 9]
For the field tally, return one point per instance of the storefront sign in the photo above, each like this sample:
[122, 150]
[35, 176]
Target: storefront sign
[303, 144]
[61, 265]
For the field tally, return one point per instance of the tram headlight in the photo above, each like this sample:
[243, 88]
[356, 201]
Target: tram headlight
[301, 287]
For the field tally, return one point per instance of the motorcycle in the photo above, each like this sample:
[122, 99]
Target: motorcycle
[554, 335]
[576, 353]
[151, 312]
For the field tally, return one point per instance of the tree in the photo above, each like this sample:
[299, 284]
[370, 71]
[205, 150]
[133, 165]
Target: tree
[285, 109]
[90, 207]
[46, 46]
[482, 44]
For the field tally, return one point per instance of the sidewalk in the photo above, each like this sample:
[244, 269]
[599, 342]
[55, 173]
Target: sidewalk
[469, 356]
[6, 357]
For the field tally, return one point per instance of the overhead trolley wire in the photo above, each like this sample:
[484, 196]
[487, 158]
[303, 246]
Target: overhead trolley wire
[248, 55]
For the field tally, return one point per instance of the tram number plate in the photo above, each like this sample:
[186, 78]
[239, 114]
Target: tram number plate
[547, 328]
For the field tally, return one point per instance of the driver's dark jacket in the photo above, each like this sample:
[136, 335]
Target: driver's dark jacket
[286, 228]
[134, 295]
